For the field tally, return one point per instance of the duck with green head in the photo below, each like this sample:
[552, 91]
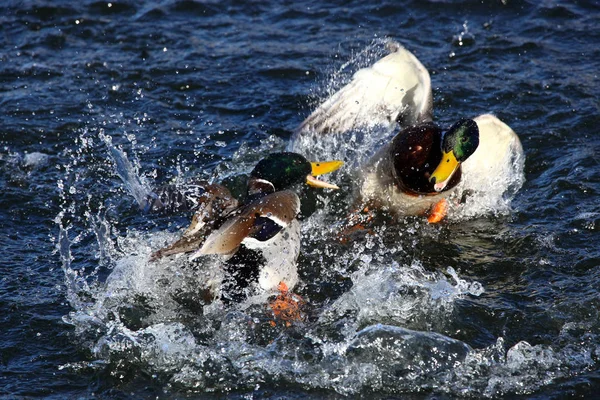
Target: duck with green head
[421, 166]
[263, 224]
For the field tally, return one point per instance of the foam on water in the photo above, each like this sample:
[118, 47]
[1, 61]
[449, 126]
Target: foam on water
[378, 336]
[146, 314]
[232, 355]
[402, 295]
[35, 159]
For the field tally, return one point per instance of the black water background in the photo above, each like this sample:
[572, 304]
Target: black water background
[176, 72]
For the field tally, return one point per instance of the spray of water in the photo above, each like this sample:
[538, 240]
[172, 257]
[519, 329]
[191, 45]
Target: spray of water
[377, 319]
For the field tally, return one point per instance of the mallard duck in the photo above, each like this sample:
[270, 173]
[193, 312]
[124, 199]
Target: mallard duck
[263, 228]
[421, 166]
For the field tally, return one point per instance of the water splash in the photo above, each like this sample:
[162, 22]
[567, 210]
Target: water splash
[129, 174]
[357, 146]
[465, 37]
[407, 296]
[130, 312]
[378, 323]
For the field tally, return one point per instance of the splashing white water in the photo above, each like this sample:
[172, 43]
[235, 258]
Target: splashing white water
[388, 333]
[354, 146]
[129, 174]
[402, 295]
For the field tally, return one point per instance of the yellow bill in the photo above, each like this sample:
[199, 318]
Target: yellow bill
[444, 171]
[320, 168]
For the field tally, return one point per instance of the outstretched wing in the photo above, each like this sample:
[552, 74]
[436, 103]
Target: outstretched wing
[213, 204]
[396, 88]
[260, 220]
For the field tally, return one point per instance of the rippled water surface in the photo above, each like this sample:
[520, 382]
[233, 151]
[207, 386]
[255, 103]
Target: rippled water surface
[500, 302]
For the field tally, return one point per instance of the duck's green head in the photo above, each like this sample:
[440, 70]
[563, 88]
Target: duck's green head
[458, 144]
[286, 169]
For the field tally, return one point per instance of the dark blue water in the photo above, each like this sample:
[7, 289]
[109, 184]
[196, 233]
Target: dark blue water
[190, 88]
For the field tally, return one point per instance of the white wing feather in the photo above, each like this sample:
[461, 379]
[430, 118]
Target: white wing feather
[395, 88]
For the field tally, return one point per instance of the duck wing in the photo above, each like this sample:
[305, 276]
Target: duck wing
[396, 88]
[259, 221]
[213, 204]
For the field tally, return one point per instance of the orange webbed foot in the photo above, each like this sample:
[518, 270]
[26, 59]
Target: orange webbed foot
[287, 306]
[438, 211]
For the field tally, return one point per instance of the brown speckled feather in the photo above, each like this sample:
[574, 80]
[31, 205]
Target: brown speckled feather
[280, 207]
[215, 203]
